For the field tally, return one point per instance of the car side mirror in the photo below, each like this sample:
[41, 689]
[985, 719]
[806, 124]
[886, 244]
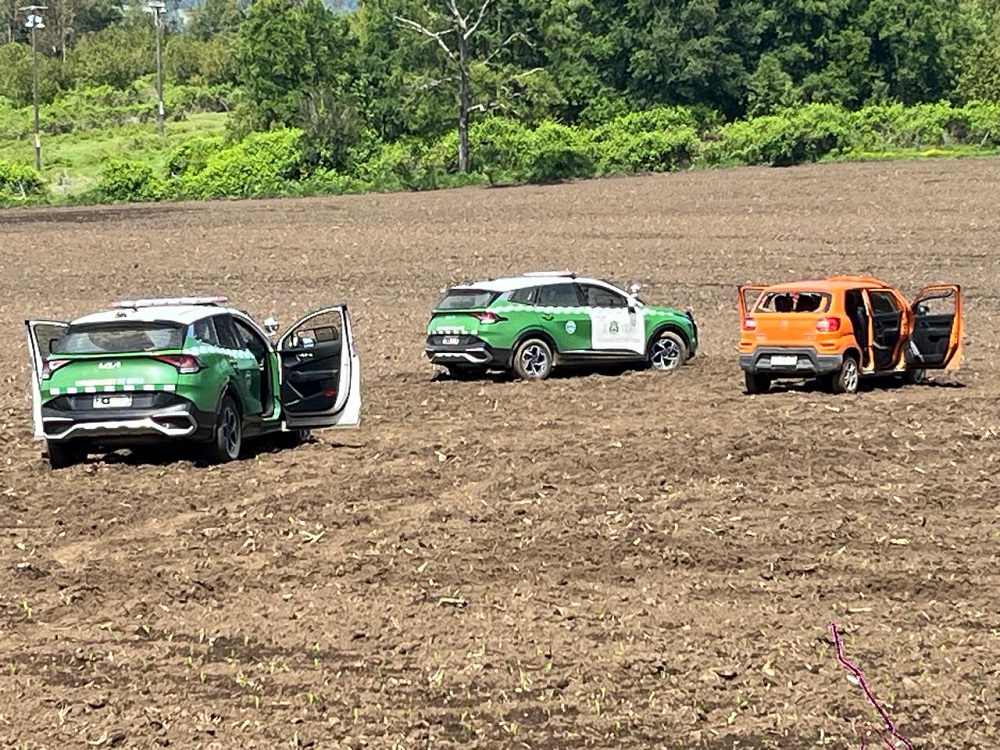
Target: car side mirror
[634, 288]
[923, 310]
[271, 325]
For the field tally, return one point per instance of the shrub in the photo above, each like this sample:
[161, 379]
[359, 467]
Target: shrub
[20, 183]
[192, 156]
[258, 166]
[123, 180]
[559, 153]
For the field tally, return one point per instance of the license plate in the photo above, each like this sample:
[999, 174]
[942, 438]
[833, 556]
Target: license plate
[784, 360]
[449, 340]
[112, 402]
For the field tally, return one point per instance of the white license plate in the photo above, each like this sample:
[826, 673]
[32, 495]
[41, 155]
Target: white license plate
[784, 360]
[112, 402]
[449, 340]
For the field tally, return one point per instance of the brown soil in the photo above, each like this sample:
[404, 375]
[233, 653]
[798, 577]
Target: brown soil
[636, 560]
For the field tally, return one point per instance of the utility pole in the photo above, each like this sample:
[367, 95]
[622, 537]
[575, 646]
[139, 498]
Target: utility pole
[158, 8]
[34, 23]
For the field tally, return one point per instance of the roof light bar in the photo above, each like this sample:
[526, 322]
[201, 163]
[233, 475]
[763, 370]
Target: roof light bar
[134, 304]
[567, 274]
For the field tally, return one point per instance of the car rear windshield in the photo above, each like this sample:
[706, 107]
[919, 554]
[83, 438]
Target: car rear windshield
[466, 299]
[795, 301]
[120, 337]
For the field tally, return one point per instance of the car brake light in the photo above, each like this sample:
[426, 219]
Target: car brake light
[50, 366]
[749, 324]
[185, 363]
[828, 325]
[487, 318]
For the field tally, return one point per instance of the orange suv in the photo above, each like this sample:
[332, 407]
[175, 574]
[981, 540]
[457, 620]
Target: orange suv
[844, 328]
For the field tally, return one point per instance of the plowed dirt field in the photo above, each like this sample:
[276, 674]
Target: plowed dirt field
[638, 560]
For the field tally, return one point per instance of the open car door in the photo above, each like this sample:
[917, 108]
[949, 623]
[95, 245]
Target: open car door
[42, 335]
[320, 371]
[748, 298]
[938, 328]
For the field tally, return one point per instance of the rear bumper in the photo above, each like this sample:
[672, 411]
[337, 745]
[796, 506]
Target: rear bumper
[125, 426]
[808, 362]
[475, 353]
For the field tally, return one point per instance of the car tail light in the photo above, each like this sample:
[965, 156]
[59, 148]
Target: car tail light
[487, 318]
[51, 365]
[828, 325]
[185, 363]
[749, 324]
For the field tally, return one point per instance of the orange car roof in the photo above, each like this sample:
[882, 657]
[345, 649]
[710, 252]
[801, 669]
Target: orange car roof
[830, 284]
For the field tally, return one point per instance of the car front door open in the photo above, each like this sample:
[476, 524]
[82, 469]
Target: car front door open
[42, 335]
[938, 327]
[748, 296]
[320, 371]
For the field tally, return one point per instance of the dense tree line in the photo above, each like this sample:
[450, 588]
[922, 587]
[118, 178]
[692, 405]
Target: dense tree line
[398, 69]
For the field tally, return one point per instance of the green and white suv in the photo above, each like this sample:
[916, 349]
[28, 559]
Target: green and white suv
[188, 368]
[535, 322]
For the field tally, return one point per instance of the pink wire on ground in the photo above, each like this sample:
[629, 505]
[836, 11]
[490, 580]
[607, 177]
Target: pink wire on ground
[890, 729]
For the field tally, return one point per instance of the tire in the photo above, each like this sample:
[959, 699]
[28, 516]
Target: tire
[227, 439]
[63, 455]
[848, 378]
[756, 383]
[667, 351]
[533, 359]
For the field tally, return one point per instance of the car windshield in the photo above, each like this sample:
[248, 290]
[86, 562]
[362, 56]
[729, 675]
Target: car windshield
[793, 301]
[120, 337]
[466, 299]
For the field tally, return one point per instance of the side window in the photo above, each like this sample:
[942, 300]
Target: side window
[882, 303]
[525, 296]
[598, 296]
[204, 331]
[324, 328]
[558, 295]
[226, 332]
[251, 340]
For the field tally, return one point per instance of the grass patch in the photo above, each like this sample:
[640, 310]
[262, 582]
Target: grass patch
[71, 162]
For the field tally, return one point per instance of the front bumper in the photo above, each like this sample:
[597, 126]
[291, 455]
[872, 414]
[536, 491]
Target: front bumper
[468, 351]
[178, 419]
[807, 362]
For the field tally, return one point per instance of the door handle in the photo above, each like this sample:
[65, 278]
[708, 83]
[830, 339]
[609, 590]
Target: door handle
[548, 316]
[304, 355]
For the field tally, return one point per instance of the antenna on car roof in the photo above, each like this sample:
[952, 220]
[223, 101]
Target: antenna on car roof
[135, 304]
[567, 274]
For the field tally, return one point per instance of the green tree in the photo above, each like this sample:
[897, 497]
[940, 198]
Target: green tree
[295, 67]
[215, 17]
[116, 56]
[979, 64]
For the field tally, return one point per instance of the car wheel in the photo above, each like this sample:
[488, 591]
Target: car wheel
[533, 360]
[63, 455]
[756, 383]
[227, 441]
[847, 380]
[667, 351]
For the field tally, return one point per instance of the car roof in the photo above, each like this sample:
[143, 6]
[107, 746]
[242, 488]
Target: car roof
[831, 284]
[540, 278]
[183, 310]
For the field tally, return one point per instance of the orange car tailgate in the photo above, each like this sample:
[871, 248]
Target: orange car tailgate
[788, 329]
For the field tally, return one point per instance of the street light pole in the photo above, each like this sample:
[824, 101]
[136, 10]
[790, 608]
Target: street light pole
[158, 8]
[34, 23]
